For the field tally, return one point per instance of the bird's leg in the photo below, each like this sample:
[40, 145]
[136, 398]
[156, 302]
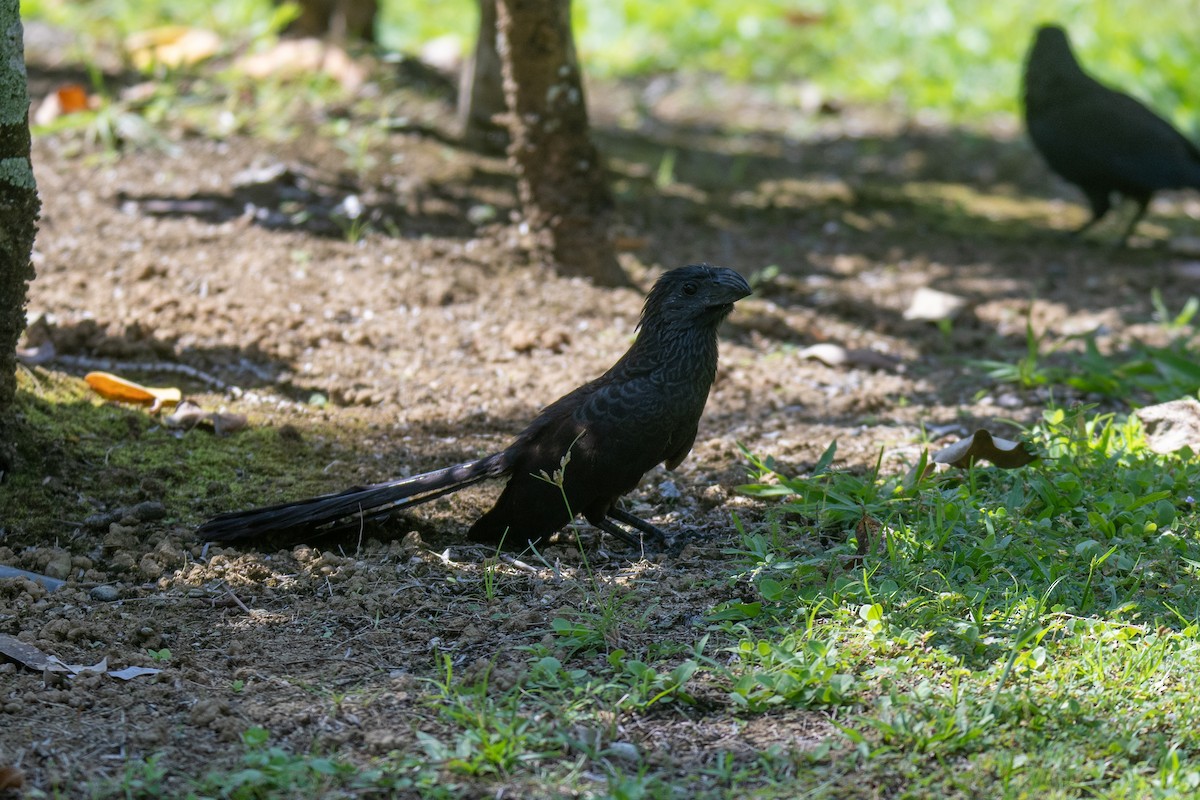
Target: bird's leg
[1101, 203]
[621, 515]
[1142, 203]
[1084, 227]
[610, 527]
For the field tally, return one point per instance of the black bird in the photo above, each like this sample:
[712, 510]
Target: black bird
[1100, 139]
[580, 455]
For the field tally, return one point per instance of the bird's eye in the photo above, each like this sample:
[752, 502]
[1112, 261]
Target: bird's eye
[690, 288]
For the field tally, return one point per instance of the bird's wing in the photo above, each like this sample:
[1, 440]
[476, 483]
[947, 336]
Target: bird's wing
[1108, 136]
[682, 449]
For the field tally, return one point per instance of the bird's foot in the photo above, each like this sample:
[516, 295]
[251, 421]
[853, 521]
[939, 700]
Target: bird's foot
[681, 540]
[653, 540]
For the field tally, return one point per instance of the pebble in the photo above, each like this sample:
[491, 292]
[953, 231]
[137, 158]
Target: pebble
[624, 751]
[105, 593]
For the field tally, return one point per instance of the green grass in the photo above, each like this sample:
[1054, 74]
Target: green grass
[961, 59]
[1037, 627]
[1138, 373]
[1011, 633]
[269, 771]
[73, 448]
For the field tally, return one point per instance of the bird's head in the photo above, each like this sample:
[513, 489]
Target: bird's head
[1051, 65]
[698, 294]
[1051, 39]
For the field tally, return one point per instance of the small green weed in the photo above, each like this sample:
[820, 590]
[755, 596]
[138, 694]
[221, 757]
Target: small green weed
[1158, 372]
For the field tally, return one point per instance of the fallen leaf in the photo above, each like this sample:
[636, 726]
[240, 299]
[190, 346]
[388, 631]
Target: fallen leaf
[1172, 426]
[171, 46]
[11, 779]
[931, 305]
[834, 355]
[111, 387]
[982, 445]
[186, 416]
[70, 98]
[55, 664]
[226, 423]
[189, 414]
[44, 353]
[444, 53]
[626, 244]
[297, 58]
[27, 655]
[134, 672]
[865, 532]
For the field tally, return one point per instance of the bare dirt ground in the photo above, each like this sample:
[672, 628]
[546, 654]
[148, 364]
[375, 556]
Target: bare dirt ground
[433, 340]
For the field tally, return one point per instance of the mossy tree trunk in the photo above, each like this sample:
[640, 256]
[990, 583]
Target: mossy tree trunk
[19, 205]
[564, 197]
[481, 91]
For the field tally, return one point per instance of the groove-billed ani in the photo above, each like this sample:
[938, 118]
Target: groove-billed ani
[1099, 139]
[600, 439]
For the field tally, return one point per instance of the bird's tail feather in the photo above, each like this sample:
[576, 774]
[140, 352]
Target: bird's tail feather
[303, 517]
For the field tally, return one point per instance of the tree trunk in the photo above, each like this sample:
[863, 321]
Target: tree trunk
[564, 197]
[19, 204]
[481, 91]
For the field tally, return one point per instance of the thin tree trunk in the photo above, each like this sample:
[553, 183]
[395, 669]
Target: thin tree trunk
[19, 204]
[481, 90]
[560, 180]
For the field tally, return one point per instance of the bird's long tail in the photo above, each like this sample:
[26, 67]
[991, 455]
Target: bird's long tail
[319, 514]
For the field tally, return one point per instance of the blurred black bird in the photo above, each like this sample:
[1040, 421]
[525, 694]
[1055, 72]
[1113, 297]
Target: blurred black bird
[1099, 139]
[580, 455]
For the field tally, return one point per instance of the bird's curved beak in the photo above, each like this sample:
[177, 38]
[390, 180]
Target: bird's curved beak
[733, 287]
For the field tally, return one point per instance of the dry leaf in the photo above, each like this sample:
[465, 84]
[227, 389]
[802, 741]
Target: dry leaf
[931, 305]
[1172, 426]
[25, 654]
[130, 673]
[171, 46]
[72, 98]
[834, 355]
[293, 58]
[29, 656]
[55, 664]
[225, 423]
[11, 779]
[44, 353]
[626, 244]
[444, 53]
[982, 445]
[68, 99]
[188, 415]
[864, 533]
[111, 387]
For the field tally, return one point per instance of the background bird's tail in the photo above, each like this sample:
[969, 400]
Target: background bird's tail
[319, 514]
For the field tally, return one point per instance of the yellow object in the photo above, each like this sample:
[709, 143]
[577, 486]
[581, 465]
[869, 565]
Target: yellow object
[110, 387]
